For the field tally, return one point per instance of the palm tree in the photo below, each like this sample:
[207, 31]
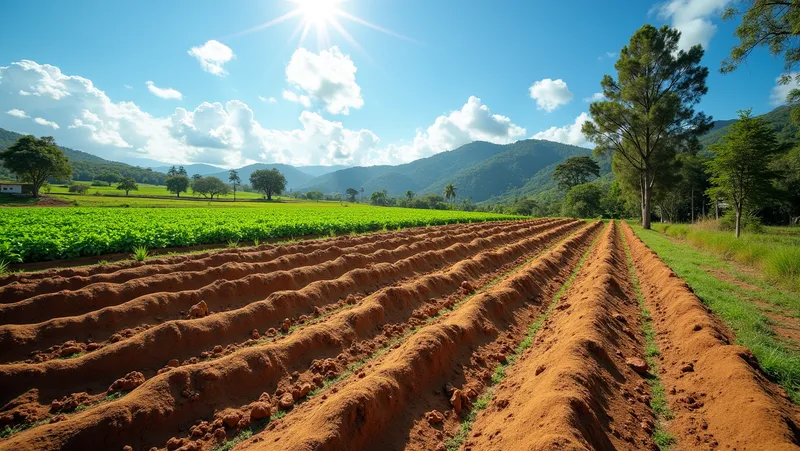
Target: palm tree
[450, 192]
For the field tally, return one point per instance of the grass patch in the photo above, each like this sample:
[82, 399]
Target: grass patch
[254, 428]
[8, 431]
[735, 306]
[454, 443]
[658, 401]
[776, 253]
[140, 253]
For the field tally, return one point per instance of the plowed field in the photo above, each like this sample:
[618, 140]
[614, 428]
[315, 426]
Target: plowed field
[502, 336]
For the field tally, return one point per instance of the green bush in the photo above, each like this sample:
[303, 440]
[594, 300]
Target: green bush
[750, 223]
[78, 188]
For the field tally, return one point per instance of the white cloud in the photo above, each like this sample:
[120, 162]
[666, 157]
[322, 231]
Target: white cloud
[18, 113]
[568, 134]
[164, 93]
[212, 56]
[596, 97]
[267, 100]
[550, 94]
[607, 55]
[779, 91]
[293, 97]
[46, 123]
[226, 134]
[128, 86]
[693, 19]
[473, 122]
[329, 76]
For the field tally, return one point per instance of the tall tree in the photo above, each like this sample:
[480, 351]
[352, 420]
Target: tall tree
[741, 172]
[34, 160]
[774, 24]
[449, 192]
[270, 182]
[109, 177]
[210, 187]
[233, 177]
[128, 184]
[177, 184]
[410, 195]
[575, 171]
[648, 116]
[351, 194]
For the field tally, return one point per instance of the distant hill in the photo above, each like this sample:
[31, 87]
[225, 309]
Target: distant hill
[316, 171]
[479, 170]
[191, 169]
[779, 118]
[86, 166]
[294, 177]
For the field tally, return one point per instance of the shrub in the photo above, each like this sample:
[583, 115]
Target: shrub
[750, 222]
[78, 188]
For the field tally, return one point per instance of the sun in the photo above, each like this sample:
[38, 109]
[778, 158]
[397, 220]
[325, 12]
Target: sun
[320, 15]
[318, 12]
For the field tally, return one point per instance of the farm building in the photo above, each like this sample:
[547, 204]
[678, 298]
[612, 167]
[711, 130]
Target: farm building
[14, 188]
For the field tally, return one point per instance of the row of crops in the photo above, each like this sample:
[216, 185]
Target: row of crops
[39, 234]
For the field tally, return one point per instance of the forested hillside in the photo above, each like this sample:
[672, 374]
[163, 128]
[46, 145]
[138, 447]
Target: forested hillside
[86, 166]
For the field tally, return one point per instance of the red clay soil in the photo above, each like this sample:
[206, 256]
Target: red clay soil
[229, 286]
[719, 395]
[219, 256]
[320, 280]
[373, 410]
[574, 387]
[169, 402]
[33, 285]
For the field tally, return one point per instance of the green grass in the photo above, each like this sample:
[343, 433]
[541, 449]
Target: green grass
[140, 253]
[145, 190]
[246, 433]
[736, 306]
[658, 401]
[17, 199]
[776, 253]
[454, 443]
[8, 431]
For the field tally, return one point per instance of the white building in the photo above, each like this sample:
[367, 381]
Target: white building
[11, 188]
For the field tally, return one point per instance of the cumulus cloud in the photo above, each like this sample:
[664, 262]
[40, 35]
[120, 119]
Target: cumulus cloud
[693, 19]
[779, 91]
[568, 134]
[550, 94]
[46, 123]
[18, 113]
[329, 76]
[596, 97]
[225, 134]
[473, 122]
[164, 93]
[297, 98]
[212, 56]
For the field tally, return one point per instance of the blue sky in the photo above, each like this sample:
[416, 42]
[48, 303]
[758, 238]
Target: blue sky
[447, 73]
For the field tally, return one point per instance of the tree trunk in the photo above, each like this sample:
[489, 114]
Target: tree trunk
[693, 205]
[647, 191]
[738, 222]
[269, 196]
[716, 208]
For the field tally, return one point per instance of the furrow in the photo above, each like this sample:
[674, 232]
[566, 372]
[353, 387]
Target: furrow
[575, 387]
[93, 296]
[719, 395]
[15, 292]
[372, 410]
[18, 341]
[171, 400]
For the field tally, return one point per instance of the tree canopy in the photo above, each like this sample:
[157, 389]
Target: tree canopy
[351, 194]
[741, 172]
[270, 182]
[178, 183]
[35, 160]
[210, 187]
[575, 171]
[649, 114]
[128, 184]
[109, 177]
[233, 177]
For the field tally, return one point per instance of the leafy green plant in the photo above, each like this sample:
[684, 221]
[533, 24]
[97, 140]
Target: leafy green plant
[233, 243]
[3, 267]
[140, 253]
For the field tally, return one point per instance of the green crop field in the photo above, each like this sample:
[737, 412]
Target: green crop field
[40, 234]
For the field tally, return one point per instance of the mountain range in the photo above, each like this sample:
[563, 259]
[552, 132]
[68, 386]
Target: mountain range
[482, 171]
